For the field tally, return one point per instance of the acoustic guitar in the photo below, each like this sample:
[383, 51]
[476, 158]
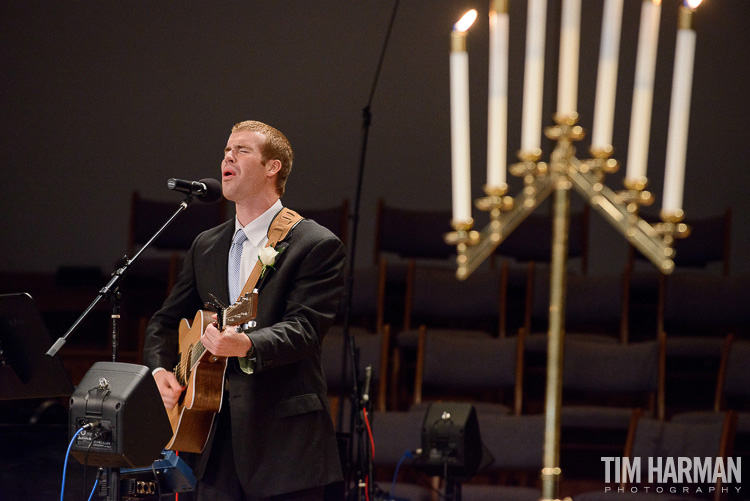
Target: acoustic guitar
[202, 373]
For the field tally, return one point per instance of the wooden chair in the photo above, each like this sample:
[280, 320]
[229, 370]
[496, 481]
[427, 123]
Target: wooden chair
[525, 256]
[601, 385]
[595, 310]
[732, 395]
[434, 298]
[692, 305]
[706, 251]
[649, 439]
[463, 366]
[711, 437]
[733, 387]
[697, 312]
[596, 306]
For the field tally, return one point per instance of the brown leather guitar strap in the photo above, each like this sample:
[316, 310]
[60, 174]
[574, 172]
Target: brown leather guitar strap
[284, 221]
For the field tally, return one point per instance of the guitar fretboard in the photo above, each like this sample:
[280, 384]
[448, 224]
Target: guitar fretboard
[198, 350]
[183, 369]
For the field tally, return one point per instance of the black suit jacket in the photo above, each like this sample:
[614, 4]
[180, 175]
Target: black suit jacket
[282, 429]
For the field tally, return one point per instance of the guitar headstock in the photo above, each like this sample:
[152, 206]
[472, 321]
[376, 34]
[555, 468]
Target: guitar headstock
[242, 311]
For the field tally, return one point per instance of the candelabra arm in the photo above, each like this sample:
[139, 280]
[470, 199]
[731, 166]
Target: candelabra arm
[497, 230]
[638, 232]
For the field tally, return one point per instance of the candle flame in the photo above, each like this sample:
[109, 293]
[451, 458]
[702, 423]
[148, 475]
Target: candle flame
[692, 4]
[656, 2]
[466, 21]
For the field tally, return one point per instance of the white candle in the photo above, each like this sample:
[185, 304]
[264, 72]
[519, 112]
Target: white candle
[533, 76]
[606, 80]
[679, 113]
[567, 76]
[497, 121]
[643, 92]
[459, 92]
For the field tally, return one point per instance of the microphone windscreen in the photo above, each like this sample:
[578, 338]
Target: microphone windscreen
[213, 190]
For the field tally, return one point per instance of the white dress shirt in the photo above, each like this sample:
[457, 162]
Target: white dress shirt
[257, 237]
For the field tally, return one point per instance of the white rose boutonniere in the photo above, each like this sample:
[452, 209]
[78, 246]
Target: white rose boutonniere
[267, 257]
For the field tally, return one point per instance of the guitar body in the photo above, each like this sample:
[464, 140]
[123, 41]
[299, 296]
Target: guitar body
[202, 374]
[193, 416]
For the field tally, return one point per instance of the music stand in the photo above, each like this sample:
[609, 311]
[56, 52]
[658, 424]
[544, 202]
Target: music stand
[25, 371]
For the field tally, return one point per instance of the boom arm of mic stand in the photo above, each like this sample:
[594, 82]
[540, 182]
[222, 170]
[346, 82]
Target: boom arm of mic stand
[114, 283]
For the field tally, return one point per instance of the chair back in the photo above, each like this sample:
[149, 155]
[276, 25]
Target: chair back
[370, 348]
[615, 375]
[461, 365]
[367, 302]
[709, 242]
[335, 218]
[532, 239]
[706, 439]
[435, 297]
[732, 389]
[148, 215]
[409, 233]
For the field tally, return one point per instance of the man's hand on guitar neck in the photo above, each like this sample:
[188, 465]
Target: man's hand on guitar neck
[226, 343]
[169, 388]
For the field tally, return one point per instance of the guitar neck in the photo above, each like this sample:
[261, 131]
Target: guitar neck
[191, 347]
[197, 353]
[199, 349]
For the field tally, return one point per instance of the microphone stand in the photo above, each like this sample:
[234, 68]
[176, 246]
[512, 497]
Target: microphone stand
[112, 290]
[349, 350]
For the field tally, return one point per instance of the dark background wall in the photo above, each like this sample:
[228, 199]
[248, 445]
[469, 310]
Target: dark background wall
[100, 98]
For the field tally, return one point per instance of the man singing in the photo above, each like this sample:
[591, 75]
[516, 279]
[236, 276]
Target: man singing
[274, 437]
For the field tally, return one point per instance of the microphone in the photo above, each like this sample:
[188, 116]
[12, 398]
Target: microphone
[366, 387]
[207, 190]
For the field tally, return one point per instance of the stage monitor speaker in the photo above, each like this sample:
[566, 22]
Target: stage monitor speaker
[130, 424]
[451, 442]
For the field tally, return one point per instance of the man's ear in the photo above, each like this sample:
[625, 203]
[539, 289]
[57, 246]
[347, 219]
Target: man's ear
[273, 167]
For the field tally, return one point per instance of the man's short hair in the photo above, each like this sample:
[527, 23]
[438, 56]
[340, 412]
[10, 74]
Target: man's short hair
[276, 147]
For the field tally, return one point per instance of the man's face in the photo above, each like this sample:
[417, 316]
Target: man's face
[243, 174]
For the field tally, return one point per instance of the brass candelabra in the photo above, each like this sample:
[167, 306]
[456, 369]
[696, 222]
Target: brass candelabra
[563, 173]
